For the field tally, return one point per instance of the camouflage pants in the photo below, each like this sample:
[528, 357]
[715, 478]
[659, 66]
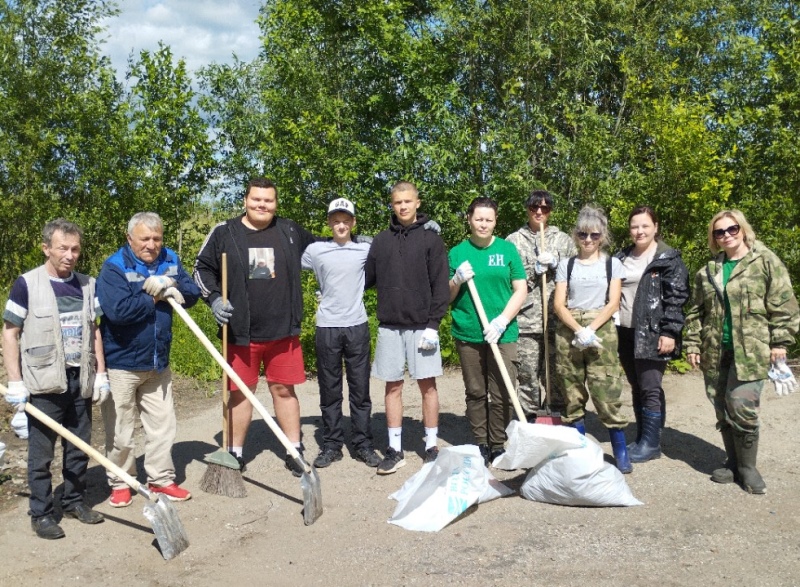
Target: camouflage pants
[532, 376]
[597, 370]
[735, 402]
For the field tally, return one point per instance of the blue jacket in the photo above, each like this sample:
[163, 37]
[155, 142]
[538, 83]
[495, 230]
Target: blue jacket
[137, 333]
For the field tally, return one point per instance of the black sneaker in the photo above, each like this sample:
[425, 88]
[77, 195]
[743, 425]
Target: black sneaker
[391, 462]
[292, 465]
[239, 460]
[327, 456]
[368, 456]
[431, 454]
[484, 448]
[84, 514]
[46, 527]
[496, 452]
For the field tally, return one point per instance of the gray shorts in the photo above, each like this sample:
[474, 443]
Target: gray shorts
[397, 347]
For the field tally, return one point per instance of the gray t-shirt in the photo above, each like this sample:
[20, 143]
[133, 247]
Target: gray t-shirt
[588, 283]
[634, 268]
[340, 273]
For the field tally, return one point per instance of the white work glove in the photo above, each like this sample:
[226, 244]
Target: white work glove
[101, 389]
[318, 295]
[463, 273]
[544, 262]
[495, 330]
[222, 311]
[586, 338]
[156, 285]
[172, 292]
[782, 377]
[429, 340]
[17, 395]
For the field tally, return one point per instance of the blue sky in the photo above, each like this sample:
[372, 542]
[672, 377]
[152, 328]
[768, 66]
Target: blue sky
[199, 31]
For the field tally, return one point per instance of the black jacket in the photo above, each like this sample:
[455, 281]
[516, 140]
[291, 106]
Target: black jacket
[230, 237]
[409, 267]
[658, 307]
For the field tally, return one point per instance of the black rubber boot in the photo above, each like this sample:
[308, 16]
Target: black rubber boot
[728, 473]
[617, 436]
[649, 447]
[746, 453]
[637, 413]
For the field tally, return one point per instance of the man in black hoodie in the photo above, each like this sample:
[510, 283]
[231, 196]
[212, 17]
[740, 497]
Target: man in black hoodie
[409, 267]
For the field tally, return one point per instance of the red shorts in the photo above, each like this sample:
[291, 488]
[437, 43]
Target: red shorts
[282, 359]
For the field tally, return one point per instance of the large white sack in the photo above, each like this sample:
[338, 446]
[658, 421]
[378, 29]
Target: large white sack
[530, 444]
[442, 490]
[578, 477]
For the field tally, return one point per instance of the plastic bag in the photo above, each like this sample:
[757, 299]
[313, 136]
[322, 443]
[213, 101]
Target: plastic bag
[579, 477]
[531, 444]
[443, 490]
[20, 424]
[2, 455]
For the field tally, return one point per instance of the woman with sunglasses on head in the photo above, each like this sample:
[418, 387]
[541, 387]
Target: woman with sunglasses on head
[655, 289]
[499, 278]
[586, 298]
[742, 317]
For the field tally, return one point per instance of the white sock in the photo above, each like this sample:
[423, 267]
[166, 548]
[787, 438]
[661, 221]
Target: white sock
[431, 437]
[237, 450]
[396, 438]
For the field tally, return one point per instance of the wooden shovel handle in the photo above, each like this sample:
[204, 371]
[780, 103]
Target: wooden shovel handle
[512, 391]
[225, 391]
[544, 325]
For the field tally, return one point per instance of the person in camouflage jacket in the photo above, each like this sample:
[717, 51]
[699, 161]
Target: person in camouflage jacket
[743, 316]
[558, 245]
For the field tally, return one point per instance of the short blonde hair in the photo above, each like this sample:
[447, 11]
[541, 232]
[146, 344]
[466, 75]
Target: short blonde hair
[404, 186]
[591, 219]
[744, 226]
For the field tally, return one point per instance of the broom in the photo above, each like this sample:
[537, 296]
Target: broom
[223, 474]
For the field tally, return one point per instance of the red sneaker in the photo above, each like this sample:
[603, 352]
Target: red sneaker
[120, 498]
[172, 491]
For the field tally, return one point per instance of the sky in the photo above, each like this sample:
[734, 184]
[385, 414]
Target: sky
[199, 31]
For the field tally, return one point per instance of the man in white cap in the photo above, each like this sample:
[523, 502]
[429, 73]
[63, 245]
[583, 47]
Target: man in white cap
[342, 335]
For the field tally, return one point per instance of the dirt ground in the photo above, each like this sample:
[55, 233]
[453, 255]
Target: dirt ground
[689, 532]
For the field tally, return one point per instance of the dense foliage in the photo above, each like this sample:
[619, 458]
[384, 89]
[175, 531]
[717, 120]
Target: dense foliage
[689, 106]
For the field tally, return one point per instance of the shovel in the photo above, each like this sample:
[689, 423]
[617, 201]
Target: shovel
[309, 480]
[163, 516]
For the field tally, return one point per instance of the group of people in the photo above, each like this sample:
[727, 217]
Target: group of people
[609, 314]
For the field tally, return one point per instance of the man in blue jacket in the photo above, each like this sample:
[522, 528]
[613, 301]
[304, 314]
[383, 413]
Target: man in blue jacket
[136, 325]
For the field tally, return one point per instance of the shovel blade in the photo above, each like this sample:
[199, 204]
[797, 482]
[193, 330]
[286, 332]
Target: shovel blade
[167, 527]
[312, 496]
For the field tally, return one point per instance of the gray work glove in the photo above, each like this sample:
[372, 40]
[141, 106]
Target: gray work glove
[101, 389]
[433, 226]
[172, 292]
[17, 395]
[156, 285]
[222, 311]
[495, 329]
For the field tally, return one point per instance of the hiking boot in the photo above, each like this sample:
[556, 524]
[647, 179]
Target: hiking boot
[292, 465]
[46, 527]
[391, 462]
[84, 514]
[431, 454]
[120, 498]
[368, 456]
[173, 491]
[484, 449]
[327, 456]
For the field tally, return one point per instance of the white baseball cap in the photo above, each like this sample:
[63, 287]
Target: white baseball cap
[342, 205]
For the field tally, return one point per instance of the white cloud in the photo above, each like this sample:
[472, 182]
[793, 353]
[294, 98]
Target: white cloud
[199, 31]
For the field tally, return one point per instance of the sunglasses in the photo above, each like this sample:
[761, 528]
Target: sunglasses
[544, 208]
[719, 233]
[584, 235]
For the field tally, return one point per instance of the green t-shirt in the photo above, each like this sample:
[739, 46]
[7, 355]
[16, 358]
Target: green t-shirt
[495, 266]
[727, 324]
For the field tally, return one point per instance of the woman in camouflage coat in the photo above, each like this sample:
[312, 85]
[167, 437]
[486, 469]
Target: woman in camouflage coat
[743, 316]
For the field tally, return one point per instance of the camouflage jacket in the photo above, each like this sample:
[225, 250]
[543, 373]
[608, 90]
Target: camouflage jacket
[528, 243]
[763, 307]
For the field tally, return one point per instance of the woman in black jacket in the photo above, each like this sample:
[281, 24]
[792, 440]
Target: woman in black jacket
[651, 316]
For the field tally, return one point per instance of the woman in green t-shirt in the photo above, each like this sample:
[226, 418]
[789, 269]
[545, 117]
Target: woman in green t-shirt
[742, 317]
[500, 279]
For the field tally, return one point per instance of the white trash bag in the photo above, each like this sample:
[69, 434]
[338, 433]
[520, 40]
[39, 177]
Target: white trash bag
[530, 444]
[443, 490]
[579, 477]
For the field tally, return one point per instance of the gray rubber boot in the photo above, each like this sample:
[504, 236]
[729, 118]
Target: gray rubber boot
[728, 473]
[746, 444]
